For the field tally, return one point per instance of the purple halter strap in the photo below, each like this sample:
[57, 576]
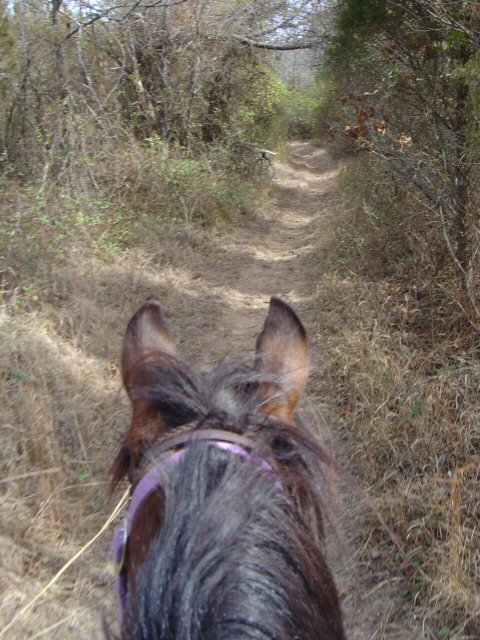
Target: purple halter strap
[156, 478]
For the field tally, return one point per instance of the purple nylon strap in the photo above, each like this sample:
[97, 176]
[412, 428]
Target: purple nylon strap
[151, 481]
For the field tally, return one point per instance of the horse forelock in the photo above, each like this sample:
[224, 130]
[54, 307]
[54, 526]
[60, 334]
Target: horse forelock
[226, 397]
[169, 385]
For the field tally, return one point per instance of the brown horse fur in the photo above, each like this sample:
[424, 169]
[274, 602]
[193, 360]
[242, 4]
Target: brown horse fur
[224, 550]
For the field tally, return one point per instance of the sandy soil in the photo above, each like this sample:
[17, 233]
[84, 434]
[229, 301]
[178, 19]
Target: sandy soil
[273, 255]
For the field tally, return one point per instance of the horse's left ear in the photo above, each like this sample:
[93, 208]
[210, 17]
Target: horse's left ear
[282, 352]
[147, 334]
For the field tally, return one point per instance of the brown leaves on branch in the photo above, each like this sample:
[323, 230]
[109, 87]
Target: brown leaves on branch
[368, 124]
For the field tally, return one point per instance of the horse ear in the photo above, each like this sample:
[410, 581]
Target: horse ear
[282, 353]
[147, 334]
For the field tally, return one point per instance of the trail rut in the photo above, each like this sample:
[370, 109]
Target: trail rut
[273, 255]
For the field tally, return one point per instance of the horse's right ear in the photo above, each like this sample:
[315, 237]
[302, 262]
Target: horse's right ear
[147, 335]
[282, 356]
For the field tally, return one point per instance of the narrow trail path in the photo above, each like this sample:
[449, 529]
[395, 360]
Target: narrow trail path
[273, 255]
[215, 288]
[277, 254]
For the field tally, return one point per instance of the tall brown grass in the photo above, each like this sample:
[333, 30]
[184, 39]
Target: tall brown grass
[73, 269]
[404, 368]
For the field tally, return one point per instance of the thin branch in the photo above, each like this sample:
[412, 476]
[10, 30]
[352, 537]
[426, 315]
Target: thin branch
[294, 46]
[137, 6]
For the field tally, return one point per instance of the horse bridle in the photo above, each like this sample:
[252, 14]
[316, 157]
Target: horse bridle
[156, 477]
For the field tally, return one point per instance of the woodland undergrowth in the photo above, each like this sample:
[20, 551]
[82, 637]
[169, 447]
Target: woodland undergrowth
[400, 287]
[403, 365]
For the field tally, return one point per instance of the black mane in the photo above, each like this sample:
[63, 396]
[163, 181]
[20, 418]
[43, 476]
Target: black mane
[237, 556]
[233, 559]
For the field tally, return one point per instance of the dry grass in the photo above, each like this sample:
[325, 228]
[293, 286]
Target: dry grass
[408, 393]
[63, 413]
[406, 382]
[72, 272]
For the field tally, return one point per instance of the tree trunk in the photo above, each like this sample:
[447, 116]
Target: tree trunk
[461, 195]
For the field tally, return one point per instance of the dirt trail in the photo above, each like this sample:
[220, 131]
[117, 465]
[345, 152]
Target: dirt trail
[215, 291]
[277, 254]
[274, 255]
